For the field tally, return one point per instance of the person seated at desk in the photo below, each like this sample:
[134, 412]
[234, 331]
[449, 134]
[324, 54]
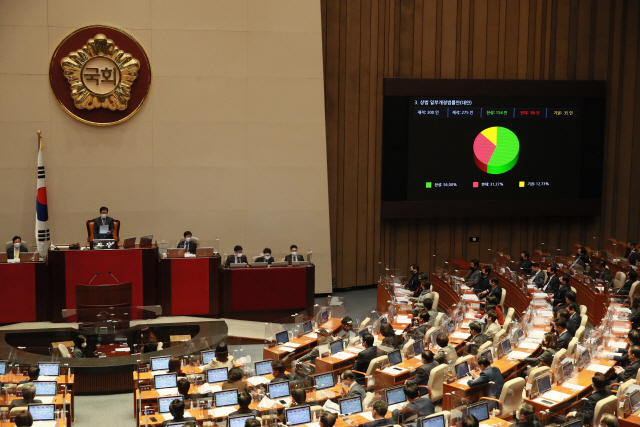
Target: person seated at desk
[176, 408]
[608, 420]
[414, 282]
[79, 344]
[553, 282]
[28, 395]
[558, 296]
[24, 419]
[630, 250]
[493, 327]
[187, 244]
[634, 316]
[350, 388]
[447, 354]
[17, 248]
[483, 283]
[33, 372]
[582, 259]
[631, 371]
[574, 312]
[323, 337]
[488, 374]
[564, 315]
[327, 419]
[379, 411]
[102, 221]
[148, 340]
[492, 303]
[525, 263]
[298, 398]
[365, 357]
[235, 380]
[424, 372]
[495, 290]
[266, 256]
[560, 325]
[279, 375]
[470, 421]
[423, 323]
[237, 256]
[346, 330]
[569, 297]
[428, 305]
[474, 274]
[386, 330]
[605, 273]
[634, 339]
[222, 359]
[293, 256]
[477, 336]
[184, 386]
[422, 293]
[244, 400]
[538, 275]
[526, 416]
[175, 367]
[416, 405]
[600, 391]
[632, 276]
[549, 347]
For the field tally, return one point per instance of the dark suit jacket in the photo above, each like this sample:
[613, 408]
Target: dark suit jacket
[538, 279]
[623, 359]
[525, 266]
[281, 378]
[629, 372]
[605, 275]
[552, 285]
[263, 259]
[563, 340]
[558, 296]
[571, 328]
[379, 423]
[414, 282]
[364, 358]
[479, 339]
[422, 407]
[177, 419]
[482, 285]
[299, 258]
[232, 259]
[576, 319]
[12, 250]
[626, 288]
[546, 358]
[96, 228]
[497, 291]
[247, 411]
[357, 391]
[589, 405]
[490, 374]
[634, 257]
[20, 403]
[192, 246]
[423, 373]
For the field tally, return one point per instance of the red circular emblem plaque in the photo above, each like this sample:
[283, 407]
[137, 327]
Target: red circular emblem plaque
[100, 75]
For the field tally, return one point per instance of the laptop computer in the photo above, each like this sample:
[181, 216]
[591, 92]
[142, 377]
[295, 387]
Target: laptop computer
[258, 264]
[277, 391]
[146, 240]
[44, 414]
[307, 327]
[175, 252]
[164, 402]
[433, 421]
[479, 410]
[418, 347]
[207, 356]
[544, 385]
[395, 395]
[166, 384]
[160, 363]
[239, 420]
[488, 354]
[279, 264]
[49, 370]
[218, 375]
[129, 242]
[462, 370]
[204, 252]
[394, 357]
[282, 337]
[634, 400]
[323, 381]
[226, 398]
[3, 257]
[586, 357]
[46, 390]
[505, 345]
[451, 327]
[323, 317]
[567, 369]
[350, 405]
[264, 367]
[298, 415]
[573, 423]
[3, 367]
[336, 347]
[29, 256]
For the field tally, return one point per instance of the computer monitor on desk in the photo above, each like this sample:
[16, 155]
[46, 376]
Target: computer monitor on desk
[350, 405]
[49, 369]
[263, 367]
[240, 420]
[129, 242]
[479, 410]
[432, 421]
[3, 367]
[279, 264]
[218, 375]
[146, 240]
[207, 356]
[258, 264]
[164, 402]
[298, 416]
[238, 265]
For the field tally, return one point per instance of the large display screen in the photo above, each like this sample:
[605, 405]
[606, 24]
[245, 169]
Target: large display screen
[492, 147]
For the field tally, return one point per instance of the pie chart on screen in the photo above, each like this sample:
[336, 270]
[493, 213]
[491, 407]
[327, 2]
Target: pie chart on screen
[496, 150]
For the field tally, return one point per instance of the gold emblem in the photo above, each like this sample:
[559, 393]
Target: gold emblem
[100, 74]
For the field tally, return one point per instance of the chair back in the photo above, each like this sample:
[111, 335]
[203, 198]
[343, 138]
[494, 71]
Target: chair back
[485, 346]
[354, 340]
[574, 290]
[633, 290]
[607, 405]
[535, 373]
[15, 411]
[407, 346]
[376, 363]
[583, 322]
[622, 389]
[23, 244]
[365, 323]
[116, 229]
[439, 319]
[436, 298]
[368, 400]
[436, 381]
[559, 356]
[510, 312]
[571, 348]
[583, 310]
[499, 336]
[507, 324]
[511, 396]
[64, 351]
[619, 279]
[503, 295]
[580, 333]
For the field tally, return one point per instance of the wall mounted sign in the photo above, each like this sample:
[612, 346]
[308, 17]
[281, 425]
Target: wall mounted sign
[100, 75]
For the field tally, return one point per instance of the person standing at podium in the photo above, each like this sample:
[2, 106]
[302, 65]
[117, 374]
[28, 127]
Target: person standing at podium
[14, 253]
[103, 221]
[237, 256]
[187, 244]
[293, 256]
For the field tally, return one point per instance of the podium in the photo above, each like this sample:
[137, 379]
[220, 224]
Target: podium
[102, 303]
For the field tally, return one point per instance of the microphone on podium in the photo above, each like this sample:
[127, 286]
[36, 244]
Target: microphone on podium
[96, 275]
[114, 277]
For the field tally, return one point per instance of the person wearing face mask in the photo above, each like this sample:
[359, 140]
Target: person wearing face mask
[103, 220]
[80, 344]
[350, 388]
[14, 253]
[526, 416]
[414, 282]
[293, 256]
[266, 256]
[187, 244]
[237, 256]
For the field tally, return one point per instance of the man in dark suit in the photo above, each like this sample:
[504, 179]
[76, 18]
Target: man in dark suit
[33, 372]
[424, 372]
[574, 311]
[176, 408]
[237, 256]
[293, 256]
[266, 256]
[14, 253]
[558, 296]
[477, 336]
[563, 335]
[495, 289]
[538, 275]
[28, 395]
[632, 253]
[605, 273]
[553, 282]
[526, 416]
[483, 284]
[632, 276]
[350, 388]
[367, 355]
[416, 405]
[414, 282]
[631, 371]
[103, 220]
[488, 374]
[244, 400]
[564, 315]
[525, 263]
[187, 244]
[278, 369]
[474, 274]
[601, 391]
[379, 411]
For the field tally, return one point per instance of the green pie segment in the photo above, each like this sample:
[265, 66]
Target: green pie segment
[496, 150]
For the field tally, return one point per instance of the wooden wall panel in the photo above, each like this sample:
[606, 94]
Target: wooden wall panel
[365, 41]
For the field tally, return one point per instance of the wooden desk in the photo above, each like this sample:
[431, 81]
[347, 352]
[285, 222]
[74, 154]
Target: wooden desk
[386, 380]
[111, 350]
